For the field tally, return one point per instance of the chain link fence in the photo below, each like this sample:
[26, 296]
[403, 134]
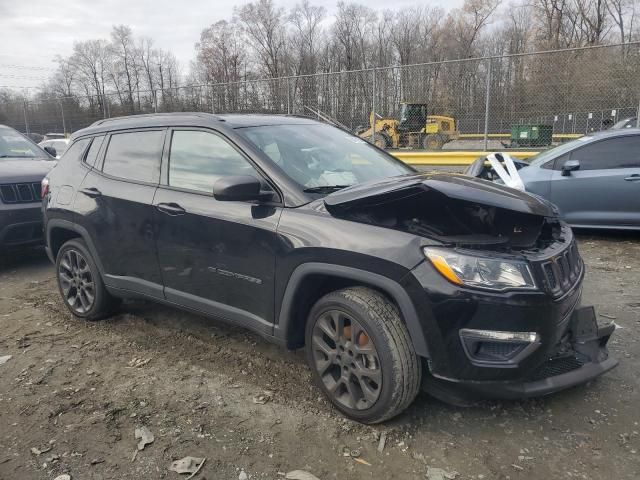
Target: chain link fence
[573, 91]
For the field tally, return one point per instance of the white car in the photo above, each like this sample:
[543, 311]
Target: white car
[59, 144]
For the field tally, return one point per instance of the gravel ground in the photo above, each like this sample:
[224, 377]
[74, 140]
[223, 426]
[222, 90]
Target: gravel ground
[73, 393]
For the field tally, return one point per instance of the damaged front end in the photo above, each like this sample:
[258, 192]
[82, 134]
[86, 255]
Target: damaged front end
[502, 315]
[452, 209]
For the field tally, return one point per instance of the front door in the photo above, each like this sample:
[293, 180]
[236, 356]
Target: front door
[217, 257]
[605, 190]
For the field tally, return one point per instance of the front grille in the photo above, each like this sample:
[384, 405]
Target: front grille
[554, 367]
[20, 192]
[560, 274]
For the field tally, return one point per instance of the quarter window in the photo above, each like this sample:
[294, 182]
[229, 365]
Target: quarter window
[197, 159]
[135, 156]
[76, 150]
[92, 154]
[619, 152]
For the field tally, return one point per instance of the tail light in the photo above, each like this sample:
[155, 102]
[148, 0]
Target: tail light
[44, 187]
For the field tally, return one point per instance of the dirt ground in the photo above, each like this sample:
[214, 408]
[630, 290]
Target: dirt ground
[73, 393]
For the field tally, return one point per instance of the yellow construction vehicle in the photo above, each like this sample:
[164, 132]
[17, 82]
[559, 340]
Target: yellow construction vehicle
[414, 129]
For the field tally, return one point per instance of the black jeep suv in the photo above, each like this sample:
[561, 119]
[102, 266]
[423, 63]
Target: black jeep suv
[313, 238]
[23, 165]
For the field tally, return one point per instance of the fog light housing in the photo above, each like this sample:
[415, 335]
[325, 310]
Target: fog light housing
[494, 348]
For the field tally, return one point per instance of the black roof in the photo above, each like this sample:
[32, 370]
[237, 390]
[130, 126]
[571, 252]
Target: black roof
[235, 120]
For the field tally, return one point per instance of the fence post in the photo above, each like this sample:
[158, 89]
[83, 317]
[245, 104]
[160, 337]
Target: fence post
[486, 106]
[155, 101]
[638, 116]
[64, 125]
[288, 98]
[26, 120]
[373, 108]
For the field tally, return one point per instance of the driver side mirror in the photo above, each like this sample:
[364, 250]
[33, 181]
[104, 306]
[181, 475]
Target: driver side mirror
[239, 188]
[51, 151]
[569, 166]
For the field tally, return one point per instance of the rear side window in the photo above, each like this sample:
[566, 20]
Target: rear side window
[92, 154]
[198, 159]
[619, 152]
[135, 156]
[76, 150]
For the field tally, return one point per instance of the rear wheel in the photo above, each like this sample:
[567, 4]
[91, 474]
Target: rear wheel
[433, 142]
[361, 355]
[380, 140]
[80, 283]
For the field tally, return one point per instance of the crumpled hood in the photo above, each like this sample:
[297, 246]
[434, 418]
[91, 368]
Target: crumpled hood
[454, 186]
[23, 170]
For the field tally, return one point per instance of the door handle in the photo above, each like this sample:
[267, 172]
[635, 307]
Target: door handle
[172, 209]
[92, 192]
[633, 178]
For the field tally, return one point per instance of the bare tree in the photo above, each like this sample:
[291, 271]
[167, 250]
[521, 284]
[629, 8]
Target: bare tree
[124, 65]
[264, 25]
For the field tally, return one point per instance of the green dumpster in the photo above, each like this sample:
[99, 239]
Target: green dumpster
[531, 135]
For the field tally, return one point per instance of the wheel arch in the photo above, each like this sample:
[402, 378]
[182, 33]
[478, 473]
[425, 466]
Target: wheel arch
[310, 281]
[59, 231]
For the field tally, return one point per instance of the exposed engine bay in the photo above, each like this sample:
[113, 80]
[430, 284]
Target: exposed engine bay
[442, 207]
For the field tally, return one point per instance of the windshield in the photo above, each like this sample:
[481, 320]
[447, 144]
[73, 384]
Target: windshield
[14, 145]
[625, 123]
[543, 157]
[322, 158]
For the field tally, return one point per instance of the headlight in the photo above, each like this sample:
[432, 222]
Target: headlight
[481, 272]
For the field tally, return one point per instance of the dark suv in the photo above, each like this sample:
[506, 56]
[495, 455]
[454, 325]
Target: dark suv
[23, 165]
[313, 238]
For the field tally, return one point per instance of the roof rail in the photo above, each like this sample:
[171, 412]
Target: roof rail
[147, 115]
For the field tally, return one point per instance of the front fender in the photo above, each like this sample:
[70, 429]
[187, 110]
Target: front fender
[390, 287]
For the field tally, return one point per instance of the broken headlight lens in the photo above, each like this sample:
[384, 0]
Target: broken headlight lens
[480, 272]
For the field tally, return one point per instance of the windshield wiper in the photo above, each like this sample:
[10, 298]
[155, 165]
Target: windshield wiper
[325, 188]
[15, 156]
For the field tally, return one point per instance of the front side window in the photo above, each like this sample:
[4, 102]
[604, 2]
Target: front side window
[618, 152]
[198, 158]
[322, 157]
[135, 156]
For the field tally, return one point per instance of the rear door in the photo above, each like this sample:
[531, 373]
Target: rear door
[605, 190]
[114, 204]
[217, 257]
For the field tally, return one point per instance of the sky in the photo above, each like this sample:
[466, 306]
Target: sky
[33, 32]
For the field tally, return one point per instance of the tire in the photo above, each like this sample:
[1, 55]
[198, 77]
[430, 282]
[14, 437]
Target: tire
[368, 387]
[433, 142]
[80, 283]
[380, 141]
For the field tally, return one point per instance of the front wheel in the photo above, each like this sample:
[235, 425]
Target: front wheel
[361, 354]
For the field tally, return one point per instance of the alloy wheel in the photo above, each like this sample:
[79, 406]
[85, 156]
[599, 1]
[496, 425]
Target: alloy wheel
[346, 360]
[76, 281]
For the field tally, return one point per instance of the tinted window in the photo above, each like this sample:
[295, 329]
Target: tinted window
[620, 152]
[92, 154]
[198, 159]
[75, 151]
[135, 156]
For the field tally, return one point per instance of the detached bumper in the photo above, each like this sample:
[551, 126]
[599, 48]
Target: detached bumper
[581, 356]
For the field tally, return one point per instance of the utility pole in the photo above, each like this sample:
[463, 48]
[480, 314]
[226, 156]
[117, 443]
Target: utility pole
[26, 119]
[64, 125]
